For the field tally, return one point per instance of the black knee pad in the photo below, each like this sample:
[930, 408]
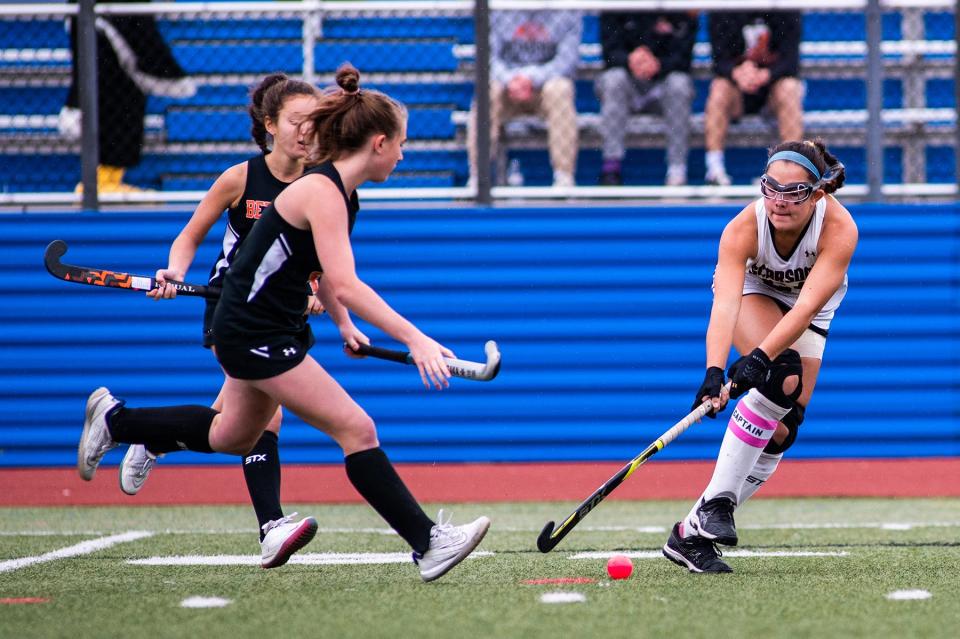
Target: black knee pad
[792, 421]
[785, 365]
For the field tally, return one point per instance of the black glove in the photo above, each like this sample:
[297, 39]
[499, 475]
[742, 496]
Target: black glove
[712, 383]
[750, 371]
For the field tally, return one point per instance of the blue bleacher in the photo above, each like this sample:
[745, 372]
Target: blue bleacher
[45, 33]
[257, 44]
[370, 57]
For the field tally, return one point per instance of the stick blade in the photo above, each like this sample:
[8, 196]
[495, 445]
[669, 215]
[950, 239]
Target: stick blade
[51, 257]
[492, 368]
[544, 543]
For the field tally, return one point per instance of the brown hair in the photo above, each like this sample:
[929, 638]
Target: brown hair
[831, 169]
[348, 116]
[267, 99]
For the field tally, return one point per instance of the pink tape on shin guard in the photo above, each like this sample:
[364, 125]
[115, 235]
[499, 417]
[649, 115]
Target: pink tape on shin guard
[751, 428]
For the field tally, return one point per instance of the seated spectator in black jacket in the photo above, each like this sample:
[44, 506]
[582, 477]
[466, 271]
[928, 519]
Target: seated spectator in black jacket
[756, 65]
[647, 59]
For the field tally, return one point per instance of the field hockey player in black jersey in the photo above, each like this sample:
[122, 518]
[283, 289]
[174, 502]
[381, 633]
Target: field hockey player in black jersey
[278, 105]
[262, 338]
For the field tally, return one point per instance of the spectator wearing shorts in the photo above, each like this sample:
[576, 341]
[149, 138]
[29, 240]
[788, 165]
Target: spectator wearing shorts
[756, 69]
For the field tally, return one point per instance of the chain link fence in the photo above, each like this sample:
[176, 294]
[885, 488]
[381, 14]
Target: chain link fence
[586, 99]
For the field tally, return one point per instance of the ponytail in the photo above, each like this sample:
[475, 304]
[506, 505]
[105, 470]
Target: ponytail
[832, 171]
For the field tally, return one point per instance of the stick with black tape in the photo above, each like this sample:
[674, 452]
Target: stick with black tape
[550, 536]
[477, 371]
[113, 279]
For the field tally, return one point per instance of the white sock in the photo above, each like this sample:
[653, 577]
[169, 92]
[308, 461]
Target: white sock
[715, 163]
[761, 472]
[749, 430]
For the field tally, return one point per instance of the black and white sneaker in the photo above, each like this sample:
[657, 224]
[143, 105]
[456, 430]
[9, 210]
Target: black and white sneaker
[694, 553]
[716, 521]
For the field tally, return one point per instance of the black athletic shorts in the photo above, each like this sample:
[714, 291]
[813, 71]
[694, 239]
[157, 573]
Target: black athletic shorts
[266, 358]
[754, 102]
[208, 323]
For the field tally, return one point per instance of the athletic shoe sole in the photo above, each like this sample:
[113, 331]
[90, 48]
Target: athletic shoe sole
[678, 559]
[87, 473]
[681, 561]
[463, 554]
[723, 541]
[137, 482]
[303, 535]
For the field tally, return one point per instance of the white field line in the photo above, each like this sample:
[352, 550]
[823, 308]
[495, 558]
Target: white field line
[907, 595]
[656, 554]
[312, 559]
[83, 548]
[656, 530]
[562, 597]
[205, 602]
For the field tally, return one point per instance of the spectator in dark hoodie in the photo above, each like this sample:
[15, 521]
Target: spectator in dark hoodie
[646, 58]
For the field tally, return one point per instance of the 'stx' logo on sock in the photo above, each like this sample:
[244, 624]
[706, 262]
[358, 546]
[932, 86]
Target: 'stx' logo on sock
[288, 352]
[252, 459]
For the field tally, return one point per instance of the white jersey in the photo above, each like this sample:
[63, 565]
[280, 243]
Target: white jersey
[782, 276]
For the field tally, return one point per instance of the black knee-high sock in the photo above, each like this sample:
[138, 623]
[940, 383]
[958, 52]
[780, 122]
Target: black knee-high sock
[163, 430]
[261, 469]
[374, 477]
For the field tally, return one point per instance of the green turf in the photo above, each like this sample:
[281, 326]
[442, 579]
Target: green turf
[100, 595]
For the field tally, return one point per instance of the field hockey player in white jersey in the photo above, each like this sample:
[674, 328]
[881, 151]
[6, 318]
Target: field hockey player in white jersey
[781, 274]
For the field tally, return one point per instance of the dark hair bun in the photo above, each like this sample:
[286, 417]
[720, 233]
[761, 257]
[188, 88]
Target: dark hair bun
[348, 78]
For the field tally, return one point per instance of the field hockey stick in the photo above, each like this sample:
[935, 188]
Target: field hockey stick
[114, 279]
[550, 537]
[477, 371]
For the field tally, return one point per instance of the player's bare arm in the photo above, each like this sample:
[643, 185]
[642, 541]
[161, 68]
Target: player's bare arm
[223, 194]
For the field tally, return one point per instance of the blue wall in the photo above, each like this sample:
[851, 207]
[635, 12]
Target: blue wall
[599, 313]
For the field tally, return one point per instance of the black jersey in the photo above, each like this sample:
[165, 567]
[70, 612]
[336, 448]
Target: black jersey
[259, 191]
[265, 292]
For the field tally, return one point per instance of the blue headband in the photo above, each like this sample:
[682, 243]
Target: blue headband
[796, 158]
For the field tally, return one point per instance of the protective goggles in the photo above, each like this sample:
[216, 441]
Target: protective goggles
[793, 193]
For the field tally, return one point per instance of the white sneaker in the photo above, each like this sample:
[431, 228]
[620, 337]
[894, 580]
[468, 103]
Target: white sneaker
[283, 537]
[676, 175]
[135, 467]
[718, 178]
[562, 179]
[449, 545]
[95, 440]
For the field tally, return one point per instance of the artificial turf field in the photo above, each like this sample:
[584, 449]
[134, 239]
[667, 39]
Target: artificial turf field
[814, 568]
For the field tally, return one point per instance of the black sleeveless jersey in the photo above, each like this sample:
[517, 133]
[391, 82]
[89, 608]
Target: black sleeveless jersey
[265, 291]
[259, 191]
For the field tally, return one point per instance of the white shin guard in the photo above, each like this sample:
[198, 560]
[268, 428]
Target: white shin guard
[750, 428]
[762, 471]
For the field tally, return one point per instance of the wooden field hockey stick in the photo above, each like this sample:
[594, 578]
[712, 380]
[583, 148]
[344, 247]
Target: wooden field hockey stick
[550, 537]
[477, 371]
[114, 279]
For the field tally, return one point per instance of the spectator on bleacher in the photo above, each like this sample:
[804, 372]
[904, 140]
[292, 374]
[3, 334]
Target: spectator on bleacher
[646, 57]
[780, 277]
[133, 61]
[278, 105]
[756, 67]
[533, 59]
